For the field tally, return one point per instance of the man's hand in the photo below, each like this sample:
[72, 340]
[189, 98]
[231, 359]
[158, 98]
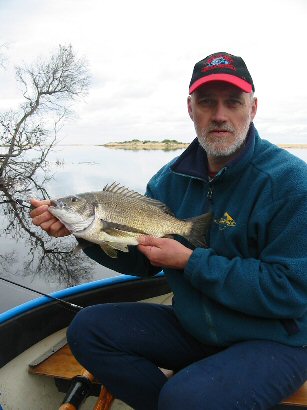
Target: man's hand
[43, 218]
[164, 252]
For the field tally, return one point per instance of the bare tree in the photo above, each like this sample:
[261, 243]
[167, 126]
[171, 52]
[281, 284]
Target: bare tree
[47, 87]
[26, 137]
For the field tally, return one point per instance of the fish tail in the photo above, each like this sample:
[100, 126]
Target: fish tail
[199, 227]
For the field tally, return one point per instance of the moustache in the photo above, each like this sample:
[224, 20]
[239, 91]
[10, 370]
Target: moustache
[226, 127]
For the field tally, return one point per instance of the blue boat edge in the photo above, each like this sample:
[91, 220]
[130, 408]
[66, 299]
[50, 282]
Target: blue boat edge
[64, 293]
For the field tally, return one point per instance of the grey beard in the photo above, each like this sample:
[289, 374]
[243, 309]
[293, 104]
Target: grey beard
[219, 147]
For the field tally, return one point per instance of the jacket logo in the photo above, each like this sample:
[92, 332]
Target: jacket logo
[225, 222]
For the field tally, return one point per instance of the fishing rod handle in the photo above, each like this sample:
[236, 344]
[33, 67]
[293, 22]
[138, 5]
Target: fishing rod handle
[78, 391]
[104, 401]
[67, 406]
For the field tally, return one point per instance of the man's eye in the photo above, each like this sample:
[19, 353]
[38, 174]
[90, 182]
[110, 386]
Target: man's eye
[234, 102]
[205, 101]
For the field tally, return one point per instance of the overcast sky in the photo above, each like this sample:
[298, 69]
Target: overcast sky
[141, 54]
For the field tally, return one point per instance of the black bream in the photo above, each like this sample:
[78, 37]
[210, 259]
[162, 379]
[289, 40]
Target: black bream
[116, 216]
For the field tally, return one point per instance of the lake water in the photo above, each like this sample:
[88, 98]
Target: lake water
[32, 258]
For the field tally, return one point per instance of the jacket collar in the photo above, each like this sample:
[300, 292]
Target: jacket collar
[193, 161]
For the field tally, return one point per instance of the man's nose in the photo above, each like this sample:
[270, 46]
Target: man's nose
[219, 112]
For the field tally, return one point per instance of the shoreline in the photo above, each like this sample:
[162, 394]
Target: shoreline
[152, 145]
[293, 146]
[161, 146]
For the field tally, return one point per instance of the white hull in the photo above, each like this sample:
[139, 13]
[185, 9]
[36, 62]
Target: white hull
[20, 390]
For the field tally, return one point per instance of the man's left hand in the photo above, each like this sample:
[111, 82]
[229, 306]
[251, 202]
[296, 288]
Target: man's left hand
[164, 252]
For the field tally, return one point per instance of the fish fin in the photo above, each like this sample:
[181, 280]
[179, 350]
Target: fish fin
[119, 246]
[109, 250]
[116, 188]
[200, 226]
[82, 244]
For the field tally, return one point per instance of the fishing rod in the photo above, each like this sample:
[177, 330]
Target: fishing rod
[24, 204]
[67, 305]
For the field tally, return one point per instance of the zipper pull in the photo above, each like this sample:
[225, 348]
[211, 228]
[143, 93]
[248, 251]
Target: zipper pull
[210, 192]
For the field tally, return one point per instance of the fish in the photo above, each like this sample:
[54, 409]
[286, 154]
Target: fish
[117, 216]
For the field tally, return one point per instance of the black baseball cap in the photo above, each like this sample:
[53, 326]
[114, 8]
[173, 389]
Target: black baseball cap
[222, 67]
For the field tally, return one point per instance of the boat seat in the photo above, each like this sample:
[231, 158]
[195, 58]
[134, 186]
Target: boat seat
[60, 363]
[57, 362]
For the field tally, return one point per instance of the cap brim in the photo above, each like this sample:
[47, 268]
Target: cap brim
[227, 78]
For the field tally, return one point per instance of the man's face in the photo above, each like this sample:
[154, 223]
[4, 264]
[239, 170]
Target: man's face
[222, 114]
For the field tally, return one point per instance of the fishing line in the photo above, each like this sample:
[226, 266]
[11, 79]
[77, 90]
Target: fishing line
[67, 305]
[24, 204]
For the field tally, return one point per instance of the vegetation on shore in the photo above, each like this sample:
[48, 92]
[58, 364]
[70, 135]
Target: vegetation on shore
[136, 144]
[293, 146]
[170, 144]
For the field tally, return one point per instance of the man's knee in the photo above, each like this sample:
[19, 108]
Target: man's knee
[92, 327]
[78, 328]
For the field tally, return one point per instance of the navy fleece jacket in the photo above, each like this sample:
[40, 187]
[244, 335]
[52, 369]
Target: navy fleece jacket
[251, 281]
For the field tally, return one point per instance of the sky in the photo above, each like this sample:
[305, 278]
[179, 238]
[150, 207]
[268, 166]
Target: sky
[141, 54]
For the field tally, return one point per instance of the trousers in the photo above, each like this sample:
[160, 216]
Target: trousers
[124, 345]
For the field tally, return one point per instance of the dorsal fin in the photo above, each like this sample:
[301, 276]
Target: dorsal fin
[116, 188]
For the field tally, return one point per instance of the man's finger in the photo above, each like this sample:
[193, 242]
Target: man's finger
[47, 224]
[43, 216]
[38, 211]
[38, 202]
[58, 229]
[149, 241]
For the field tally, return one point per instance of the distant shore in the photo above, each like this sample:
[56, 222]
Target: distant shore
[293, 146]
[147, 145]
[171, 145]
[156, 145]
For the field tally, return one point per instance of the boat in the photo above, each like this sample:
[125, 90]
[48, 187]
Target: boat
[37, 369]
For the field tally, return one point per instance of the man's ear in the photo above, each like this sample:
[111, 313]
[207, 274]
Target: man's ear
[190, 109]
[254, 107]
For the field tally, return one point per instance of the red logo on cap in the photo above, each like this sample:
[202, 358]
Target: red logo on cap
[219, 62]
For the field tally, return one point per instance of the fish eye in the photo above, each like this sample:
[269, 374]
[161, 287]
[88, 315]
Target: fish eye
[74, 199]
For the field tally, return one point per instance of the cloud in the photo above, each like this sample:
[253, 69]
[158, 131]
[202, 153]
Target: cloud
[141, 56]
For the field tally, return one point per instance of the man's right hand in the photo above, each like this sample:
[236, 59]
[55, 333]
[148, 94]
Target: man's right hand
[43, 218]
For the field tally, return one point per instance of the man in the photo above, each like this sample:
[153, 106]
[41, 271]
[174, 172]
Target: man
[236, 332]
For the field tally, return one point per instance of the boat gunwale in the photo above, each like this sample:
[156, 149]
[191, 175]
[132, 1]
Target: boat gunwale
[33, 321]
[64, 293]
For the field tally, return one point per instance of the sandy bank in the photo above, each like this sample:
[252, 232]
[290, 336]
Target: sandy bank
[152, 145]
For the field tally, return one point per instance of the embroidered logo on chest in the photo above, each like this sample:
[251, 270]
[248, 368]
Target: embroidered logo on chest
[226, 221]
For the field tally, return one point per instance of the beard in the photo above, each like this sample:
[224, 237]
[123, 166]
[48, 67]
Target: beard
[222, 146]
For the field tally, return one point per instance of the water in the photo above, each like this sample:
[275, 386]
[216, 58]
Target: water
[30, 257]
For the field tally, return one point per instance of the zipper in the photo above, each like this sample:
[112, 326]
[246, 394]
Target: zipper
[210, 192]
[211, 182]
